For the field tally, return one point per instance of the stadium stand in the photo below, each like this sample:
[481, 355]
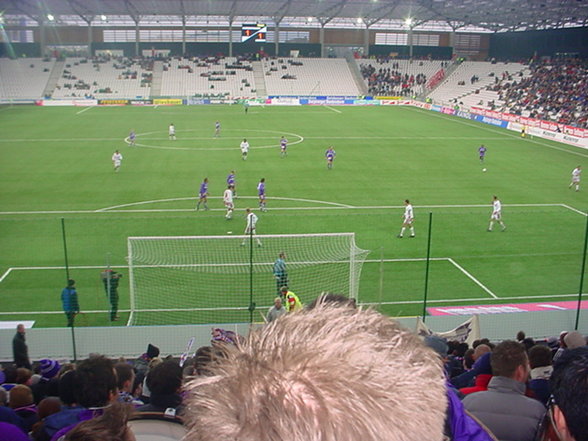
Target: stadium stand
[104, 78]
[309, 76]
[24, 78]
[398, 77]
[210, 76]
[470, 78]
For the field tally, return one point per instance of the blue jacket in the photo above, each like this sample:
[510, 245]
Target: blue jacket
[69, 300]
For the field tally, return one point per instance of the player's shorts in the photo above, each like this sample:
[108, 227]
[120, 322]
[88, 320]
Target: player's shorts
[203, 195]
[408, 220]
[283, 148]
[576, 180]
[229, 205]
[330, 159]
[262, 197]
[248, 231]
[496, 216]
[117, 163]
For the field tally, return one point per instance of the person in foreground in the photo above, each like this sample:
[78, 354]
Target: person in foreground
[331, 373]
[569, 384]
[504, 408]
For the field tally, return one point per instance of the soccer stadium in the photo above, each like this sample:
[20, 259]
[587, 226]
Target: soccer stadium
[197, 177]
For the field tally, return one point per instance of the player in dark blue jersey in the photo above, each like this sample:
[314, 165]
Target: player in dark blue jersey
[232, 182]
[482, 151]
[132, 137]
[203, 194]
[217, 128]
[330, 155]
[283, 147]
[261, 194]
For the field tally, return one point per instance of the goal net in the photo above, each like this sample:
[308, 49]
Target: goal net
[218, 279]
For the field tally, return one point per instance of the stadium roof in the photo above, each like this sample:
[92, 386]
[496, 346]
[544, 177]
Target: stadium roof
[491, 15]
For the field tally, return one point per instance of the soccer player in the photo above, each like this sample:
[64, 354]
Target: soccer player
[283, 147]
[250, 228]
[244, 149]
[203, 195]
[523, 131]
[232, 181]
[246, 106]
[172, 132]
[330, 155]
[576, 177]
[217, 128]
[482, 151]
[407, 219]
[132, 137]
[117, 160]
[228, 200]
[261, 194]
[280, 272]
[496, 214]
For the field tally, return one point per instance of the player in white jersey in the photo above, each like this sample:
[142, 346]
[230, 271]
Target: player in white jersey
[576, 177]
[496, 214]
[244, 149]
[172, 132]
[228, 200]
[250, 228]
[407, 219]
[117, 160]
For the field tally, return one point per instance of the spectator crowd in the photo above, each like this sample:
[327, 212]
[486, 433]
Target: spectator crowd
[330, 371]
[556, 90]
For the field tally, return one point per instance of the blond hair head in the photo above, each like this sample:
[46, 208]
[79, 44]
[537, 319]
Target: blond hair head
[332, 373]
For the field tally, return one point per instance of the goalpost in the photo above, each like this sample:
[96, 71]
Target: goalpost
[224, 279]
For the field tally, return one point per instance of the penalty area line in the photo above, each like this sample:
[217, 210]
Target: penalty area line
[472, 278]
[84, 110]
[333, 109]
[574, 210]
[5, 275]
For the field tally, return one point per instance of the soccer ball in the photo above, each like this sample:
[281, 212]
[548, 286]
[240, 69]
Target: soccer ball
[484, 170]
[229, 232]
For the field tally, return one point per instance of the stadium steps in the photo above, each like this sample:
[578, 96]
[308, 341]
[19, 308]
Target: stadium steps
[448, 71]
[259, 79]
[54, 77]
[157, 78]
[356, 73]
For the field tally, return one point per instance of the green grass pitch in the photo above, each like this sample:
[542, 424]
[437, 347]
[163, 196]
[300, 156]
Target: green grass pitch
[56, 164]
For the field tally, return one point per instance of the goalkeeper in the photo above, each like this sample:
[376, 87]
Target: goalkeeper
[280, 272]
[111, 279]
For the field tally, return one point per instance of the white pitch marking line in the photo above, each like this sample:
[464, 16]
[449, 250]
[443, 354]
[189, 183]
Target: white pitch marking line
[6, 273]
[333, 109]
[476, 281]
[574, 210]
[459, 120]
[84, 110]
[400, 302]
[332, 205]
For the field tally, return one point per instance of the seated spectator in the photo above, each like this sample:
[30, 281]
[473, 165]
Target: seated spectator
[142, 363]
[94, 387]
[467, 379]
[483, 375]
[574, 339]
[48, 406]
[569, 383]
[504, 408]
[10, 432]
[21, 401]
[125, 379]
[165, 383]
[48, 385]
[112, 425]
[540, 362]
[328, 373]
